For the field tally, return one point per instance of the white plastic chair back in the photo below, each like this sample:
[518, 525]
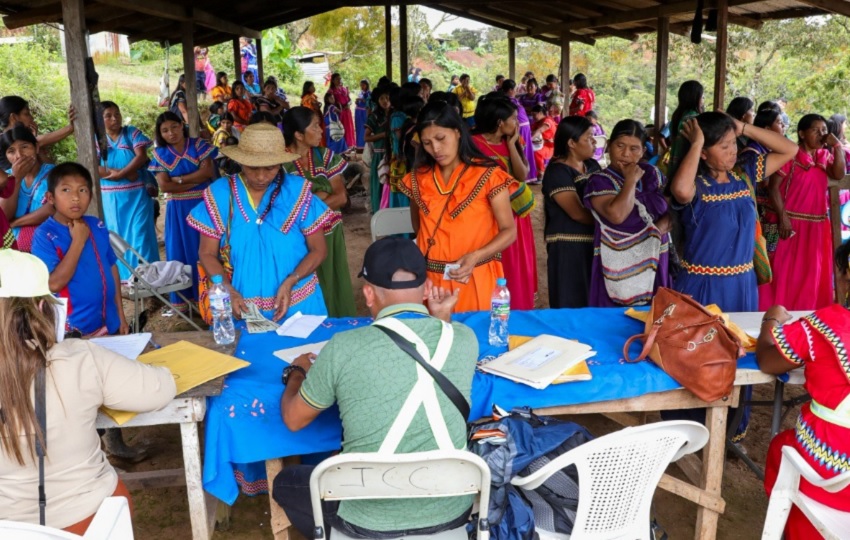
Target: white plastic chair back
[391, 221]
[618, 474]
[439, 473]
[111, 522]
[602, 142]
[831, 523]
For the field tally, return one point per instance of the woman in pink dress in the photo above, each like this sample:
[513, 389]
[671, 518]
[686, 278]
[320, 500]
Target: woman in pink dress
[797, 209]
[497, 136]
[343, 102]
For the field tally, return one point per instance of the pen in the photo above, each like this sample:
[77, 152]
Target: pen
[154, 344]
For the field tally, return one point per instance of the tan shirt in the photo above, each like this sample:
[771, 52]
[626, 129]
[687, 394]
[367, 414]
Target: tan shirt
[81, 377]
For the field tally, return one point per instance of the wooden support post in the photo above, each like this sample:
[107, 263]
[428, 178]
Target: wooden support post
[404, 61]
[76, 54]
[720, 59]
[512, 59]
[565, 74]
[388, 39]
[194, 121]
[841, 284]
[237, 60]
[260, 73]
[662, 52]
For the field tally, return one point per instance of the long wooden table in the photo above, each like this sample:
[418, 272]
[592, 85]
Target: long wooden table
[706, 474]
[187, 410]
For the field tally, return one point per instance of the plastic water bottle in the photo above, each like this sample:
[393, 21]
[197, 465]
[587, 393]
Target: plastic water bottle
[222, 313]
[500, 312]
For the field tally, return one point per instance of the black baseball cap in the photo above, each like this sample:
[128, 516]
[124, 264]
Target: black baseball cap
[387, 256]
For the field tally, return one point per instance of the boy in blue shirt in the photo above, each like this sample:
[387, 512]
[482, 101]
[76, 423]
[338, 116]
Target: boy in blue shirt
[76, 250]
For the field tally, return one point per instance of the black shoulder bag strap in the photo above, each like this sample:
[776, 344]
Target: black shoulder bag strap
[444, 383]
[41, 416]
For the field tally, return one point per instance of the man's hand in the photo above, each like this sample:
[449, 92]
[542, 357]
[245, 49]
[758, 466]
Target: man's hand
[441, 302]
[305, 361]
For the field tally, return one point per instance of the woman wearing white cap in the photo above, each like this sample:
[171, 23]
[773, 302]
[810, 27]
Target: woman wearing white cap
[69, 381]
[262, 230]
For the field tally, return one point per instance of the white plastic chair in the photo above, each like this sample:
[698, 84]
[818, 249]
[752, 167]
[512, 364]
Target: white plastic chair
[617, 476]
[602, 142]
[391, 221]
[111, 522]
[142, 289]
[831, 523]
[439, 473]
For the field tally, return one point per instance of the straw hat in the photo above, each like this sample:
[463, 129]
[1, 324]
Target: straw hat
[22, 275]
[261, 145]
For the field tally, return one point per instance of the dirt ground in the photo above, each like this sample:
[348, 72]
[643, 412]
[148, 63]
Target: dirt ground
[163, 513]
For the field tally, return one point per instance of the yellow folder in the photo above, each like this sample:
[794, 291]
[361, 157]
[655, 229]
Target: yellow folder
[190, 364]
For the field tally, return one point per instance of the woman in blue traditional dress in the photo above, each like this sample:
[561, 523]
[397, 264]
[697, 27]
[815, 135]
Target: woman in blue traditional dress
[361, 113]
[127, 187]
[263, 230]
[624, 197]
[27, 205]
[183, 169]
[332, 118]
[713, 191]
[717, 211]
[323, 168]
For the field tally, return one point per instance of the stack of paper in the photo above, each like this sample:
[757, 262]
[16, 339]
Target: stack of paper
[578, 372]
[539, 362]
[300, 325]
[130, 346]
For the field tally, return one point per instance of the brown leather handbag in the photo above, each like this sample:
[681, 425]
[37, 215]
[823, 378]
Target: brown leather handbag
[690, 344]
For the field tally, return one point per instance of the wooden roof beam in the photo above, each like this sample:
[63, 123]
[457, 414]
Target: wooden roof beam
[746, 21]
[564, 34]
[629, 16]
[49, 13]
[166, 10]
[834, 6]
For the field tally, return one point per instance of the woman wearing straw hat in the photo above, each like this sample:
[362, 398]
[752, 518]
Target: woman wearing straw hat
[263, 230]
[69, 381]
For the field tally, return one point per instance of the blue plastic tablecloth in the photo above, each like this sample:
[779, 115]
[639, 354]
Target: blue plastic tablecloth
[244, 423]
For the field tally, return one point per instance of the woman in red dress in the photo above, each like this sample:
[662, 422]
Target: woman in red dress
[822, 433]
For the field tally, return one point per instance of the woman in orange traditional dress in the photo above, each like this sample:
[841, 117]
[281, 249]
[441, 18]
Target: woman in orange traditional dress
[462, 208]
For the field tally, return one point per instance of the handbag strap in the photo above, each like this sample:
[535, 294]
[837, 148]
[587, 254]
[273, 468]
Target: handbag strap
[442, 381]
[41, 417]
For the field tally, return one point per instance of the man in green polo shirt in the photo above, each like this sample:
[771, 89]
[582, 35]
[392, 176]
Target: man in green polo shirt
[371, 378]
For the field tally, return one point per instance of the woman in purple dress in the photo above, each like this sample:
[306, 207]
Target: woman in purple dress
[509, 88]
[624, 197]
[533, 96]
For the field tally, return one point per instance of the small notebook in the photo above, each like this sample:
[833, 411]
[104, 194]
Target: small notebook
[540, 361]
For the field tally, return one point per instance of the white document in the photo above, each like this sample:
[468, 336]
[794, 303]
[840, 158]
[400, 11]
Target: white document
[288, 355]
[300, 326]
[750, 321]
[540, 361]
[61, 316]
[130, 346]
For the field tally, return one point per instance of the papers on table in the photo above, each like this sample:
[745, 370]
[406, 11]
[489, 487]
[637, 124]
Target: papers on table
[750, 321]
[288, 355]
[257, 323]
[300, 325]
[190, 364]
[130, 345]
[540, 361]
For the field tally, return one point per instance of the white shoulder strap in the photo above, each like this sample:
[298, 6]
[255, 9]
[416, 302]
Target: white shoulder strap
[424, 391]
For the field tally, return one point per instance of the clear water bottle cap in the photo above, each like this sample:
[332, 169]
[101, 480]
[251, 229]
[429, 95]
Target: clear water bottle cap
[501, 282]
[216, 279]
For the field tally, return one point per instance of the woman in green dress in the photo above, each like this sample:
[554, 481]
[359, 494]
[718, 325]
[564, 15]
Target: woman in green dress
[323, 169]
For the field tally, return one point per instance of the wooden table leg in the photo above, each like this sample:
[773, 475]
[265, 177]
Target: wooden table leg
[711, 480]
[279, 521]
[194, 481]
